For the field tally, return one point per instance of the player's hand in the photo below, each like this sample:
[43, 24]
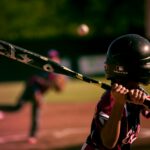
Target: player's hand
[137, 96]
[59, 83]
[119, 93]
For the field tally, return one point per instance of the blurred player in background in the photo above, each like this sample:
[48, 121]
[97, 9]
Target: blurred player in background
[116, 122]
[34, 92]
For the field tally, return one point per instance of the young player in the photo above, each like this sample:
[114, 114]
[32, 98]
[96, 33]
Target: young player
[34, 91]
[116, 122]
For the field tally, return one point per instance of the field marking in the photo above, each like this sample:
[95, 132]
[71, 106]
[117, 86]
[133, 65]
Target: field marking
[69, 131]
[58, 134]
[12, 138]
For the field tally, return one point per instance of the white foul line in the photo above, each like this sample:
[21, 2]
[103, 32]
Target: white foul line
[55, 133]
[12, 138]
[69, 131]
[58, 134]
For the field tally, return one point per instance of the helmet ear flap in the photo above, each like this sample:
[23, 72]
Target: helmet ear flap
[116, 71]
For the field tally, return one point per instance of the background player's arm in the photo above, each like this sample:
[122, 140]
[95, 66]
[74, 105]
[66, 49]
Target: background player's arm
[59, 82]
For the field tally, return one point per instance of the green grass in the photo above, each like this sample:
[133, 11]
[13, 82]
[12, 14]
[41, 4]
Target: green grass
[75, 91]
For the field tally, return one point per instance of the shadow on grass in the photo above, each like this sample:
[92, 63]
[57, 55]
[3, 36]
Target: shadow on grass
[73, 147]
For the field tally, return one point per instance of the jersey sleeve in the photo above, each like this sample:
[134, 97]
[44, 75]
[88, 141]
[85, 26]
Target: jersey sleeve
[104, 108]
[101, 115]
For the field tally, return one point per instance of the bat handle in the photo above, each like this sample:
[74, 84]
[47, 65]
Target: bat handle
[105, 86]
[146, 102]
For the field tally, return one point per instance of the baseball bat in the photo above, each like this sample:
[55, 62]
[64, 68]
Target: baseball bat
[43, 63]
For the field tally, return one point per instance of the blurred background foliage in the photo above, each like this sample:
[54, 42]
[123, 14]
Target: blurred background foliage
[41, 19]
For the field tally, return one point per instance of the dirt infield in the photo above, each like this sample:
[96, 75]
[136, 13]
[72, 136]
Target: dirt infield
[63, 126]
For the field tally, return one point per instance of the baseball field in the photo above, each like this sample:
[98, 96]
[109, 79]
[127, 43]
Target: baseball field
[64, 120]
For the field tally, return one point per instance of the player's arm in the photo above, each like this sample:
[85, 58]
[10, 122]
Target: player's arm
[59, 82]
[111, 130]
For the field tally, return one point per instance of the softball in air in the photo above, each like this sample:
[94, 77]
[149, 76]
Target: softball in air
[83, 29]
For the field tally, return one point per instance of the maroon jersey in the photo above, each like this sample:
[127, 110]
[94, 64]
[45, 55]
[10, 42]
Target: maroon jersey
[130, 124]
[41, 82]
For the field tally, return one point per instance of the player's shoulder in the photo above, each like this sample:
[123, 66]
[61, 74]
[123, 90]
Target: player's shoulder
[105, 100]
[106, 97]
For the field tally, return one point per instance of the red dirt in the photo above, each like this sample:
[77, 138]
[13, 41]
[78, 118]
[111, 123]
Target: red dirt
[63, 126]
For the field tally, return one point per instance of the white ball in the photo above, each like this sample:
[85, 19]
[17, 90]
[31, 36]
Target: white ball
[83, 29]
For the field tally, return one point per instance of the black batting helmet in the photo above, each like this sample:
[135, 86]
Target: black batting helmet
[128, 57]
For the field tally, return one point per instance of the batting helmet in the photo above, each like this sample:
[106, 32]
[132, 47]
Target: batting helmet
[128, 57]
